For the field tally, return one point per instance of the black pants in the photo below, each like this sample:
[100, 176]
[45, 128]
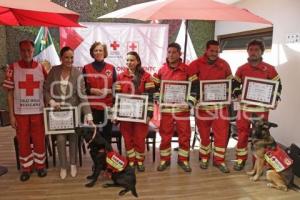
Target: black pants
[99, 117]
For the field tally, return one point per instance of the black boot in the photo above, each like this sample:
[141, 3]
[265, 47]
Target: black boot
[42, 172]
[25, 176]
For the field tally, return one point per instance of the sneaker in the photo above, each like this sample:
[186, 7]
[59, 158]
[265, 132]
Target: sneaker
[140, 167]
[25, 176]
[222, 167]
[163, 165]
[185, 166]
[42, 172]
[203, 164]
[63, 173]
[73, 171]
[239, 165]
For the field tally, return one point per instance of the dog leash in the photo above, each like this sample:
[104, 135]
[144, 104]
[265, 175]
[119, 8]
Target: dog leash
[94, 135]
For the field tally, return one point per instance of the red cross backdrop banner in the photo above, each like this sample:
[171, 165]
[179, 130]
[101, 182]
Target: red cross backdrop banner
[149, 40]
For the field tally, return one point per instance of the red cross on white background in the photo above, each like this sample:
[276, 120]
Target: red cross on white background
[29, 85]
[115, 45]
[132, 46]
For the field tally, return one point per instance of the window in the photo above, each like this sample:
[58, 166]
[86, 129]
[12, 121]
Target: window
[238, 41]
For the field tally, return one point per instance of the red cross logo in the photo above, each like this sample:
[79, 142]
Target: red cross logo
[132, 46]
[29, 85]
[114, 45]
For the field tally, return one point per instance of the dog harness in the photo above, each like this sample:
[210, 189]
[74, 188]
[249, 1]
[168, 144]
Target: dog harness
[278, 159]
[116, 162]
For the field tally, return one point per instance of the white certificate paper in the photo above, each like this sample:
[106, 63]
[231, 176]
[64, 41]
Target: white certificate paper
[215, 92]
[259, 92]
[131, 108]
[175, 93]
[60, 121]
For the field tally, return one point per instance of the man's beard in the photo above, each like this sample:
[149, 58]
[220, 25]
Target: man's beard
[210, 61]
[254, 59]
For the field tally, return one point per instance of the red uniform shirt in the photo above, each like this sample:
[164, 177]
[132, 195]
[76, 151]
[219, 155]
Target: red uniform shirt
[99, 79]
[146, 86]
[180, 73]
[125, 83]
[220, 69]
[262, 70]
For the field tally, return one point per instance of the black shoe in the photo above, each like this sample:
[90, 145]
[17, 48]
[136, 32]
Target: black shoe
[25, 176]
[140, 167]
[163, 165]
[185, 166]
[239, 165]
[41, 172]
[222, 167]
[203, 164]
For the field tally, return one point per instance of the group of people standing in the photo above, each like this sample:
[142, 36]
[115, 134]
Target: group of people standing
[30, 88]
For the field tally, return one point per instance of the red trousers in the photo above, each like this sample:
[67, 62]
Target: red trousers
[134, 134]
[179, 122]
[31, 127]
[243, 131]
[217, 122]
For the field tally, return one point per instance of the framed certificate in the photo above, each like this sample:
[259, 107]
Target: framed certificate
[259, 92]
[214, 92]
[131, 108]
[174, 92]
[60, 121]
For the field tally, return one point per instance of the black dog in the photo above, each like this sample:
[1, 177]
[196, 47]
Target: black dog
[125, 178]
[98, 147]
[98, 150]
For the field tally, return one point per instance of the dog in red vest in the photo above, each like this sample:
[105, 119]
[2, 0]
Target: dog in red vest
[268, 152]
[105, 159]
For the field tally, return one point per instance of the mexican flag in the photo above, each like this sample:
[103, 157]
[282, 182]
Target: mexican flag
[45, 51]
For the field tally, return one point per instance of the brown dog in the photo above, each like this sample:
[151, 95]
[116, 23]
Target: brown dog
[265, 149]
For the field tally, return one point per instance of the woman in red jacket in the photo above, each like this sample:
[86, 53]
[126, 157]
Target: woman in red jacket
[135, 80]
[99, 79]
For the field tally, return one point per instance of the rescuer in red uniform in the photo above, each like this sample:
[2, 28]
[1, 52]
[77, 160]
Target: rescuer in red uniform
[24, 82]
[212, 118]
[175, 118]
[256, 68]
[135, 80]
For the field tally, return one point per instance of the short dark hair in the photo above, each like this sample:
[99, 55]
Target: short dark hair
[257, 42]
[64, 50]
[94, 45]
[26, 41]
[212, 42]
[175, 45]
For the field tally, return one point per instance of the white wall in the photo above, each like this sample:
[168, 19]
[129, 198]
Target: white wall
[285, 15]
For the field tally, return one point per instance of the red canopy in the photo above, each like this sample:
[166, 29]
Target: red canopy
[186, 9]
[36, 13]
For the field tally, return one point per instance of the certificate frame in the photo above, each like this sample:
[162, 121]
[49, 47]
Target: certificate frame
[163, 85]
[71, 119]
[271, 88]
[131, 98]
[222, 82]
